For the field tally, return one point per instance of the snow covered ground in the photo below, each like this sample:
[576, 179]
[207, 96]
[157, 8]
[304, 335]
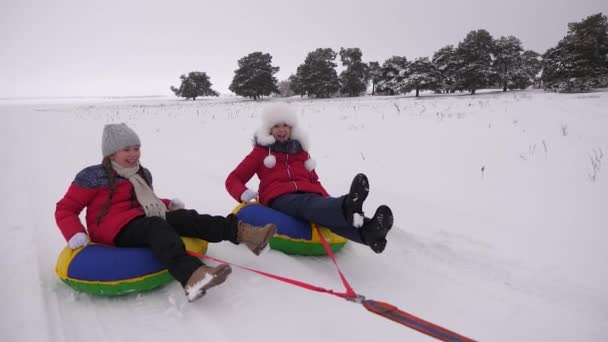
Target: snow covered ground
[499, 200]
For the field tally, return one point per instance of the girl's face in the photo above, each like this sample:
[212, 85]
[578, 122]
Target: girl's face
[281, 132]
[128, 156]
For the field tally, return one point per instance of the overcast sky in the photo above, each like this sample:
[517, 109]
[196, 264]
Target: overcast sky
[121, 48]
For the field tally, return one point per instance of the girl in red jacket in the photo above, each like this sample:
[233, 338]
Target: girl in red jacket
[123, 210]
[289, 183]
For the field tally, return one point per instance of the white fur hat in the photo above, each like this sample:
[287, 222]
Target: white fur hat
[278, 113]
[116, 137]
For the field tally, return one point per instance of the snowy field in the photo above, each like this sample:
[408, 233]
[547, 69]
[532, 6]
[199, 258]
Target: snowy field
[499, 200]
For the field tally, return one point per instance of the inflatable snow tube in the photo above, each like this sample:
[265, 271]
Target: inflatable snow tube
[293, 236]
[115, 271]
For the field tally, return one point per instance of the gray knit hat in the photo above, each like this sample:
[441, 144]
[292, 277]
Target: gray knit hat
[116, 137]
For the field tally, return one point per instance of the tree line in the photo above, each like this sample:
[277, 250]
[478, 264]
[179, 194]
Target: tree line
[579, 62]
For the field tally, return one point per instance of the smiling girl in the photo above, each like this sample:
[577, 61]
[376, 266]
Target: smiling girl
[290, 184]
[123, 210]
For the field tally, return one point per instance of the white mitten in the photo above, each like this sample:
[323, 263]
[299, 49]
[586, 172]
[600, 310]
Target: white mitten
[176, 204]
[79, 239]
[249, 195]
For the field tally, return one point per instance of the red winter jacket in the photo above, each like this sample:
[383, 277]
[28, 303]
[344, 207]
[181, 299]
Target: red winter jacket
[287, 176]
[90, 190]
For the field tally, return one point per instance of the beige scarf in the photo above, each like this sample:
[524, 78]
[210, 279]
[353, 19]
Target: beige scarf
[152, 205]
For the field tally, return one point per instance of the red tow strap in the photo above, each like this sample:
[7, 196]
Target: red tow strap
[383, 309]
[274, 276]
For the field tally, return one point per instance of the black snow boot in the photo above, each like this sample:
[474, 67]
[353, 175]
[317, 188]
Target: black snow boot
[353, 202]
[373, 233]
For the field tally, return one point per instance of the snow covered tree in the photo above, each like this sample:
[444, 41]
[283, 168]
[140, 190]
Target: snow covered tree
[356, 75]
[558, 67]
[507, 61]
[446, 62]
[389, 80]
[579, 61]
[317, 76]
[475, 61]
[374, 74]
[194, 85]
[530, 66]
[420, 74]
[254, 77]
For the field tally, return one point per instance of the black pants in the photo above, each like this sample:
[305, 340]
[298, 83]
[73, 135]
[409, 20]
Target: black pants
[163, 237]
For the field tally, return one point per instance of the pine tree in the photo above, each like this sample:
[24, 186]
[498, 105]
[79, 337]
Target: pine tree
[475, 60]
[558, 67]
[421, 74]
[579, 61]
[507, 62]
[194, 85]
[296, 85]
[390, 77]
[591, 46]
[354, 79]
[530, 67]
[317, 76]
[446, 62]
[254, 77]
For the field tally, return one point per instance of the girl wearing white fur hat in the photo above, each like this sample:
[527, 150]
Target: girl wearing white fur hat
[123, 210]
[290, 184]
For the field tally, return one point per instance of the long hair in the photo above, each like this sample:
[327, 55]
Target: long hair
[111, 174]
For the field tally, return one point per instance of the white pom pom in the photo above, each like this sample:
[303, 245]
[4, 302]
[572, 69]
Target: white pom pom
[310, 164]
[270, 161]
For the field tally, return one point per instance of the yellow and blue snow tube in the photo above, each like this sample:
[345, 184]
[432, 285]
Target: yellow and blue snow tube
[293, 236]
[115, 271]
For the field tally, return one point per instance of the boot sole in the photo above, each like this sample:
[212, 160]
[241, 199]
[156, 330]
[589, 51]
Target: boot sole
[384, 215]
[219, 277]
[271, 232]
[384, 219]
[359, 190]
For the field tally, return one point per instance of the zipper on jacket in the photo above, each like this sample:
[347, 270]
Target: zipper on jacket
[289, 171]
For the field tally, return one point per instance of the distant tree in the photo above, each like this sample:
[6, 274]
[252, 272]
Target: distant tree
[421, 74]
[475, 61]
[446, 62]
[317, 76]
[579, 61]
[285, 88]
[296, 85]
[389, 81]
[530, 68]
[254, 77]
[374, 73]
[507, 64]
[558, 67]
[355, 77]
[194, 85]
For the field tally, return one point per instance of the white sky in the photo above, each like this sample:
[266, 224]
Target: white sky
[120, 48]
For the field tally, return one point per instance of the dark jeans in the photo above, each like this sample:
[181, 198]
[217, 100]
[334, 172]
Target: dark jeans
[324, 211]
[163, 237]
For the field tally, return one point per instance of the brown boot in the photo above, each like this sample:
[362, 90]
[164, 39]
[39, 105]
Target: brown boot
[256, 238]
[205, 277]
